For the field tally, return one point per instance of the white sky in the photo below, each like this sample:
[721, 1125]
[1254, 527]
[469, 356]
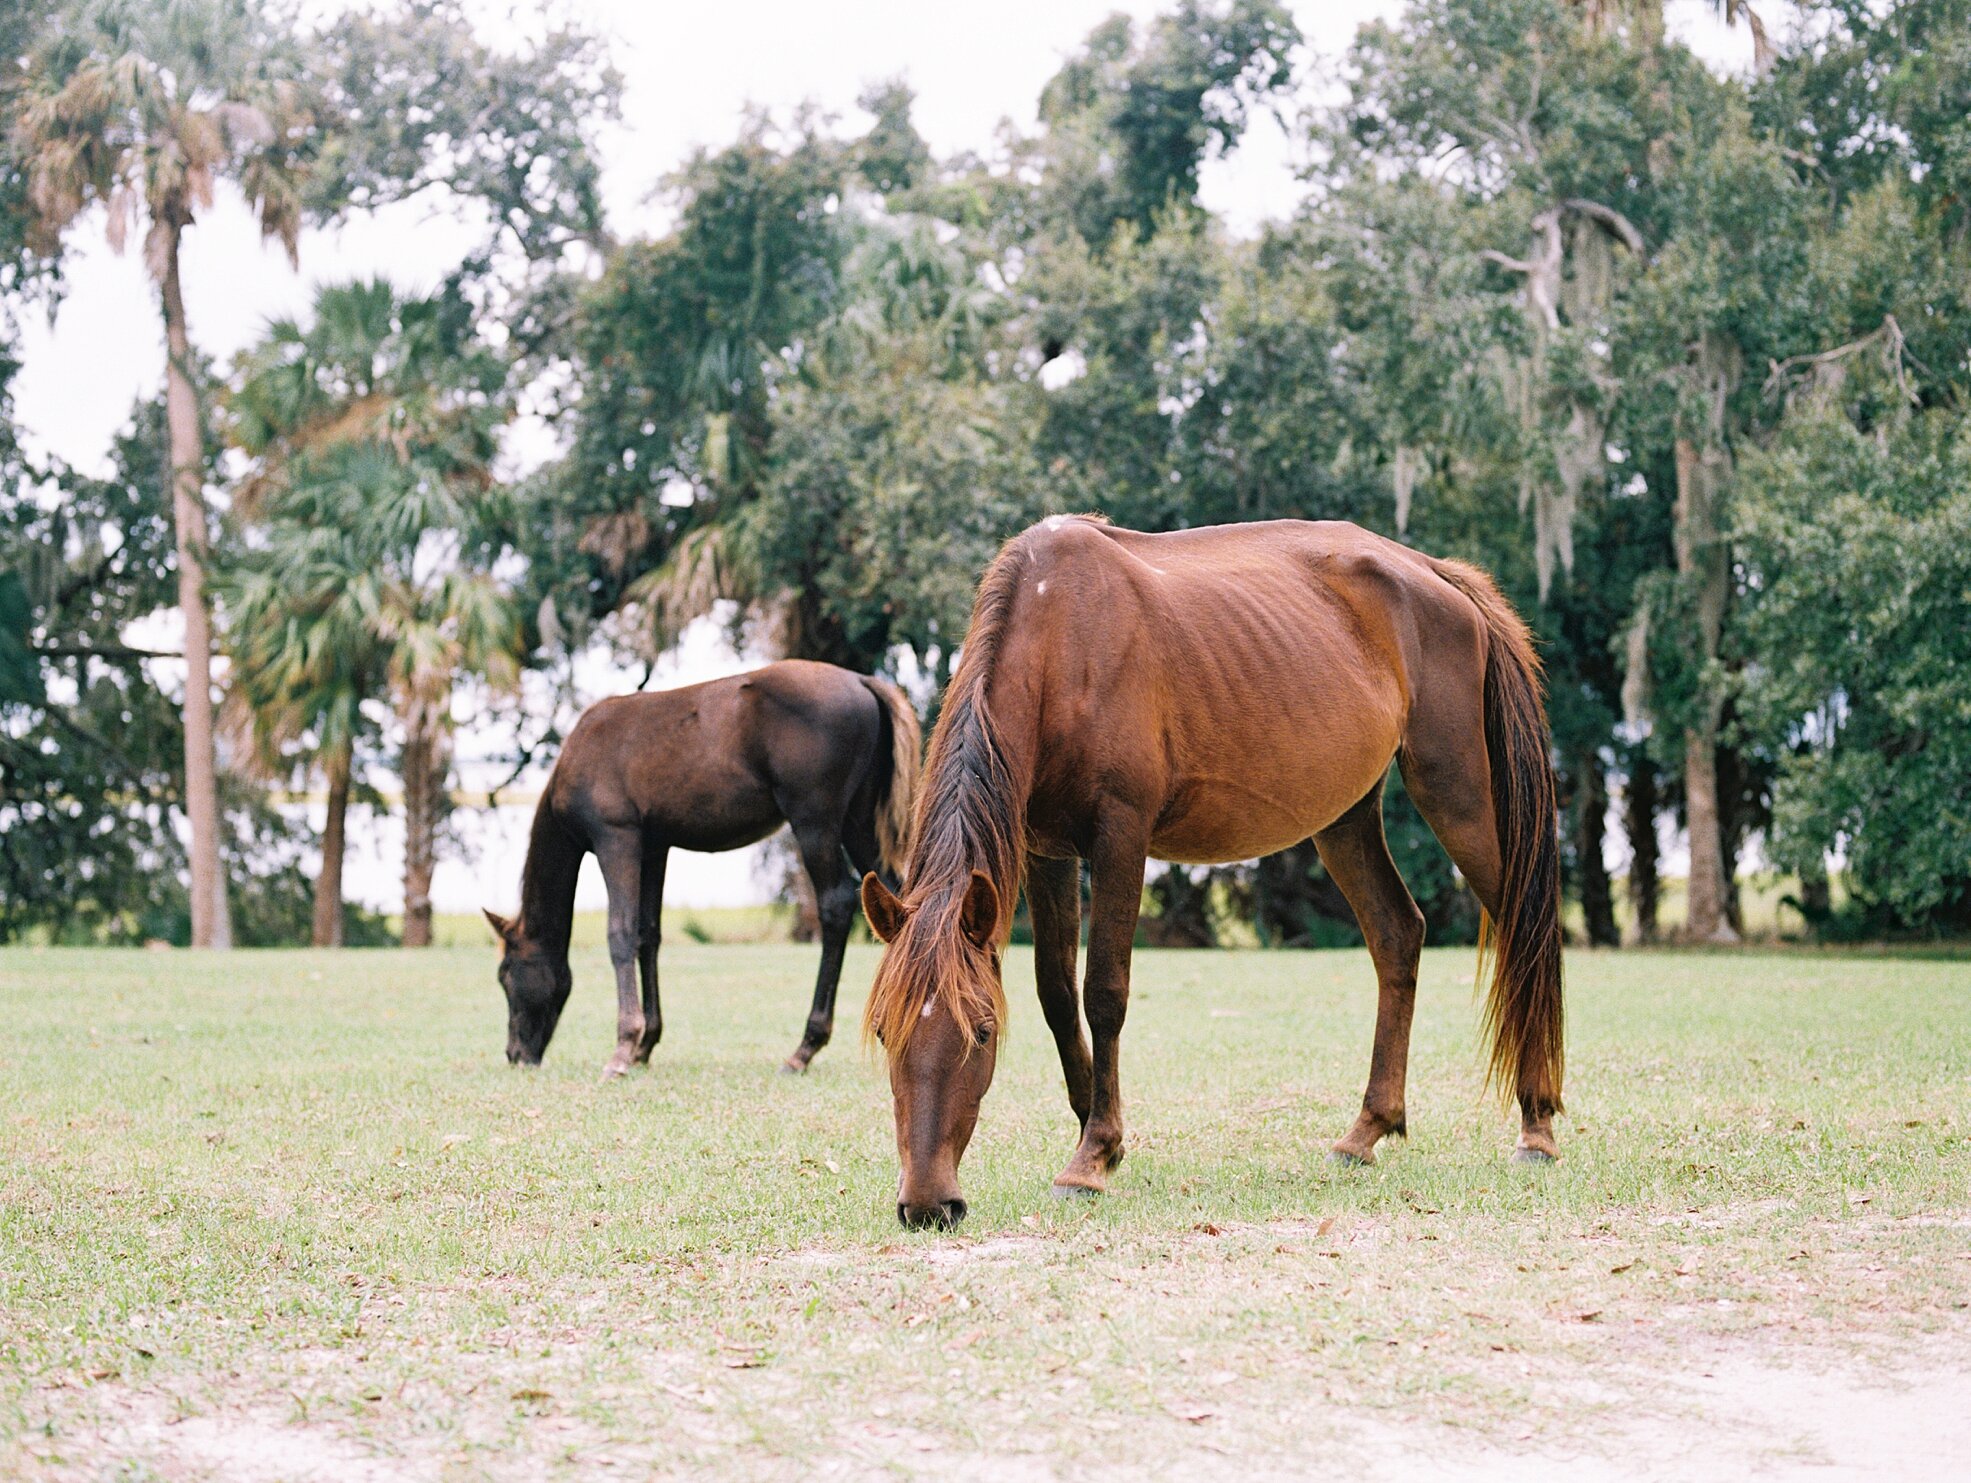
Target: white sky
[690, 69]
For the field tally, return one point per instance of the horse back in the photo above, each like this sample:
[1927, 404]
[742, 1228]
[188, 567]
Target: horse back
[718, 765]
[1243, 685]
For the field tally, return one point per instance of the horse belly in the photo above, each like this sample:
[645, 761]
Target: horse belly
[1274, 789]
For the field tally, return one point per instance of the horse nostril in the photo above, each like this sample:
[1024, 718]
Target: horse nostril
[941, 1216]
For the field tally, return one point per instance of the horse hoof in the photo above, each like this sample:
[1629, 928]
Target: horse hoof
[793, 1066]
[1072, 1192]
[614, 1070]
[1536, 1156]
[1341, 1158]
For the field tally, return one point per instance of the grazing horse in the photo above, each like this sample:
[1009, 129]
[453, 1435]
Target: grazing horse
[715, 766]
[1206, 696]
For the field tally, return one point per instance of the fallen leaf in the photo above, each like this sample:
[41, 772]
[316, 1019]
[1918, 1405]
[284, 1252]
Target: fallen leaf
[1617, 1271]
[1191, 1413]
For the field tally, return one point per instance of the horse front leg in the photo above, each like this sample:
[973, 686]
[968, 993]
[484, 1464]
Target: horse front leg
[1054, 898]
[620, 854]
[650, 936]
[835, 905]
[1118, 860]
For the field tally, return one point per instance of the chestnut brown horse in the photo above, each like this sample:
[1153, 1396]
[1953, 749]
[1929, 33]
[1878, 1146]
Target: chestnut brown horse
[1205, 696]
[707, 767]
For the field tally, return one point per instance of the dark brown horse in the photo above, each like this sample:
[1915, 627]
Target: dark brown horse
[1206, 696]
[707, 767]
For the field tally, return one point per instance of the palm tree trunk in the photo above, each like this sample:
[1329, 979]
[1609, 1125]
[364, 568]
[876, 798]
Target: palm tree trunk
[328, 884]
[211, 919]
[424, 781]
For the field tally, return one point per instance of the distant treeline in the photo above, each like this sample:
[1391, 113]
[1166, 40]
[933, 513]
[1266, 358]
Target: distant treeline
[1682, 357]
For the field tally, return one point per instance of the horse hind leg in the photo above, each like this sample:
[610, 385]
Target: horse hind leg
[1451, 786]
[835, 902]
[1356, 854]
[650, 935]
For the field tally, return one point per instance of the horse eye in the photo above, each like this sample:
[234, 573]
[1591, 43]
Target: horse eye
[981, 1035]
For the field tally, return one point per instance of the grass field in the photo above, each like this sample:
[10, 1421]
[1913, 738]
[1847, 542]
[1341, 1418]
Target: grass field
[290, 1215]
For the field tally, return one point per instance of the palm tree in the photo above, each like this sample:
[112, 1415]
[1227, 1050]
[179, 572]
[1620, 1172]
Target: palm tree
[365, 576]
[142, 106]
[303, 662]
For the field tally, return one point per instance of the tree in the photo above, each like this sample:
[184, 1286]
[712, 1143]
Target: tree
[143, 109]
[1129, 120]
[670, 360]
[368, 545]
[91, 751]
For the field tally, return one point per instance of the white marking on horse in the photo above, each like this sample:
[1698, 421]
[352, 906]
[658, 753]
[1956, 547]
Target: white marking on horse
[929, 1005]
[1041, 588]
[1055, 522]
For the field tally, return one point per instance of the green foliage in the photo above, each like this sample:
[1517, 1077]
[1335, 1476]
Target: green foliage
[674, 353]
[414, 100]
[1129, 122]
[1863, 547]
[361, 571]
[1677, 356]
[91, 751]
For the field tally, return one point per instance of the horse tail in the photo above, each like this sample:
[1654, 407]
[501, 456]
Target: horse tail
[896, 795]
[1523, 1012]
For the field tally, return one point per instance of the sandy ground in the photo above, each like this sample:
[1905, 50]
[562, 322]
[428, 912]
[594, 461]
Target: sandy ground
[1741, 1411]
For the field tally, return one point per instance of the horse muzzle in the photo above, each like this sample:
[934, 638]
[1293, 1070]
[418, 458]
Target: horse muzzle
[937, 1215]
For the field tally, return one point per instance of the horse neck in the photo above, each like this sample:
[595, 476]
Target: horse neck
[974, 801]
[547, 883]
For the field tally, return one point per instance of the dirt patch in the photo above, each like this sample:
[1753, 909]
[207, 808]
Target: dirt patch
[137, 1429]
[1767, 1412]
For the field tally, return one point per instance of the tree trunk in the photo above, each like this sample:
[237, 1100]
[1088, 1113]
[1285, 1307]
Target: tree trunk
[796, 886]
[212, 924]
[1704, 564]
[424, 781]
[1731, 834]
[1639, 821]
[1705, 920]
[328, 884]
[1590, 824]
[1183, 916]
[1816, 899]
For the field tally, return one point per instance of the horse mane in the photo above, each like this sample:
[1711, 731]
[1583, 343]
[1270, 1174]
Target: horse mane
[547, 879]
[970, 817]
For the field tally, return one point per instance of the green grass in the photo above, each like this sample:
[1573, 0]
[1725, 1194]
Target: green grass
[682, 924]
[304, 1192]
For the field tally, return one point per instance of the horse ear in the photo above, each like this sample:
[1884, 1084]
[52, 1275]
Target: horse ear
[879, 903]
[978, 919]
[502, 925]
